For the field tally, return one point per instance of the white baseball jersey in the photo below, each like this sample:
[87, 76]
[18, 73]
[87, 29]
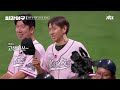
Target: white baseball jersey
[22, 62]
[58, 63]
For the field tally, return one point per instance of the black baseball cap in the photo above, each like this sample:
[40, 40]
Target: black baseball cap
[28, 46]
[107, 64]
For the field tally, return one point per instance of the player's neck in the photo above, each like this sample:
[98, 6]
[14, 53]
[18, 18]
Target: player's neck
[32, 37]
[62, 41]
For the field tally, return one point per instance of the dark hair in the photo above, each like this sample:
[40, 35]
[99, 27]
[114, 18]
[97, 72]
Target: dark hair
[59, 21]
[28, 20]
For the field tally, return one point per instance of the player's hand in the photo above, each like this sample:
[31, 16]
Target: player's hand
[36, 62]
[94, 77]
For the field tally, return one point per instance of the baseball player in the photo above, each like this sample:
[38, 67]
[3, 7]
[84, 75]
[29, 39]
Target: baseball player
[58, 55]
[21, 66]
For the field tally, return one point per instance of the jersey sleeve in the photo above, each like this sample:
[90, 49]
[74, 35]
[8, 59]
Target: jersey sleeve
[28, 68]
[10, 67]
[79, 44]
[45, 64]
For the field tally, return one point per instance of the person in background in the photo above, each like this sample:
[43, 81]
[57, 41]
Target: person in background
[106, 69]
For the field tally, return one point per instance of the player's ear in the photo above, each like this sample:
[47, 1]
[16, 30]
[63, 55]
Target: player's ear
[32, 29]
[64, 29]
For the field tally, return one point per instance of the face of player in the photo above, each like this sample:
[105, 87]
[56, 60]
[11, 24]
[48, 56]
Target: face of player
[56, 32]
[102, 73]
[23, 31]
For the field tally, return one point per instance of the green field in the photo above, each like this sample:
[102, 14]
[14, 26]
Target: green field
[100, 36]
